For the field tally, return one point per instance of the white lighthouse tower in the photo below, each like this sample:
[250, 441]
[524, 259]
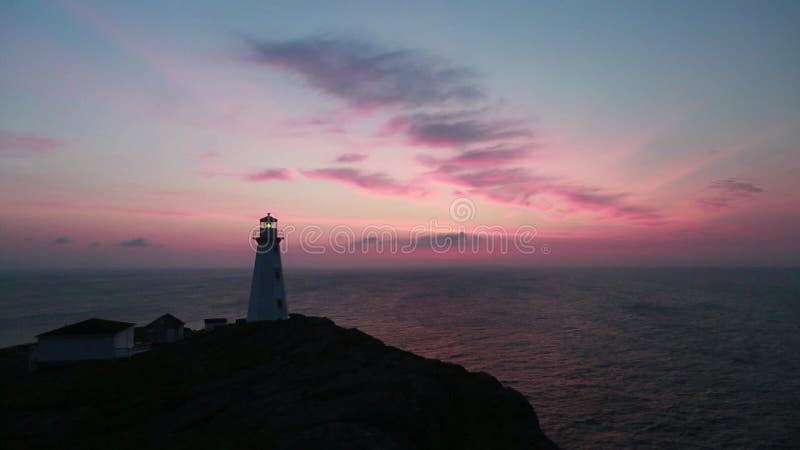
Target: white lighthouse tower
[267, 295]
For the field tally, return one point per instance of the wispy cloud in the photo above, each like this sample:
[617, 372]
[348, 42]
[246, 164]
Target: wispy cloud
[351, 157]
[365, 74]
[434, 103]
[272, 174]
[517, 186]
[135, 243]
[728, 191]
[62, 240]
[376, 182]
[269, 175]
[18, 144]
[479, 157]
[735, 187]
[456, 129]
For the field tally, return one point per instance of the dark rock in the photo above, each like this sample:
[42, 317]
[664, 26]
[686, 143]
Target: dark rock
[303, 383]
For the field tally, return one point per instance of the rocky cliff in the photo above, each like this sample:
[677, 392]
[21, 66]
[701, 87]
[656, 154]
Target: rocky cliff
[304, 383]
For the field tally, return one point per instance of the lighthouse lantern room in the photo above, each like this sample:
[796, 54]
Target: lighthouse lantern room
[267, 294]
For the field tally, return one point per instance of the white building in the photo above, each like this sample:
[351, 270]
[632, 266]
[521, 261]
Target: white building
[165, 330]
[267, 294]
[93, 339]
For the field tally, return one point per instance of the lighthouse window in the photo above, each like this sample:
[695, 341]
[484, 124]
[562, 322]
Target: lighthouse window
[280, 303]
[278, 275]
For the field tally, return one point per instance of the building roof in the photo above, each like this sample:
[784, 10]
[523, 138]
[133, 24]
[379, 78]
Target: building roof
[90, 327]
[216, 320]
[166, 319]
[268, 218]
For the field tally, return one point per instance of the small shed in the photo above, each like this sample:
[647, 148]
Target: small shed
[92, 339]
[165, 330]
[213, 324]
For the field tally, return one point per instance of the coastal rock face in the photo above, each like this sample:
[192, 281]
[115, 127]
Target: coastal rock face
[303, 383]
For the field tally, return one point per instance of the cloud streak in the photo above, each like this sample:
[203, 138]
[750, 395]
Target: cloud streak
[366, 75]
[375, 182]
[269, 175]
[728, 192]
[432, 103]
[735, 187]
[455, 129]
[477, 158]
[517, 186]
[17, 144]
[351, 157]
[135, 243]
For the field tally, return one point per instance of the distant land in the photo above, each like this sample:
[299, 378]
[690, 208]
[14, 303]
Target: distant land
[302, 383]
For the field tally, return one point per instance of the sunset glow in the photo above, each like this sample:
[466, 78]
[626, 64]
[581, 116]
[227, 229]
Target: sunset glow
[139, 135]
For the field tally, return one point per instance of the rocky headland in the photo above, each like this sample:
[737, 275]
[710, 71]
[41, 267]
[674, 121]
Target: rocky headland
[303, 383]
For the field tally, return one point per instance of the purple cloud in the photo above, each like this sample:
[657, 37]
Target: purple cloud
[595, 199]
[364, 74]
[729, 192]
[489, 177]
[732, 186]
[135, 243]
[269, 175]
[373, 182]
[455, 129]
[476, 158]
[16, 144]
[518, 186]
[436, 104]
[351, 157]
[714, 202]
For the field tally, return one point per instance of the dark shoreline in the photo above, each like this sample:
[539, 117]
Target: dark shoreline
[300, 383]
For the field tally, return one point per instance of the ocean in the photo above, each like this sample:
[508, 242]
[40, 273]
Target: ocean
[609, 358]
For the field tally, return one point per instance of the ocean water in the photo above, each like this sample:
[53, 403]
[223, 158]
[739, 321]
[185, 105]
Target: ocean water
[612, 358]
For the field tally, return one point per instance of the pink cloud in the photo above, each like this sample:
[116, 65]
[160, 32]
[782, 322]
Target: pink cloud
[456, 129]
[270, 175]
[491, 147]
[315, 126]
[476, 158]
[372, 182]
[273, 174]
[16, 144]
[367, 75]
[735, 187]
[351, 157]
[728, 191]
[517, 186]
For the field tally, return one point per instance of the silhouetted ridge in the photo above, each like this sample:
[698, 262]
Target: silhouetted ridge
[297, 384]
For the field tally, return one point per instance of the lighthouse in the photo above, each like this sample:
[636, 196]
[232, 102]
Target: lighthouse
[267, 295]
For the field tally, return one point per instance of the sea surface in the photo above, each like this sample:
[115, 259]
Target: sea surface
[612, 358]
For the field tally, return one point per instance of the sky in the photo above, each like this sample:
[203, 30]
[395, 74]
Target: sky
[622, 133]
